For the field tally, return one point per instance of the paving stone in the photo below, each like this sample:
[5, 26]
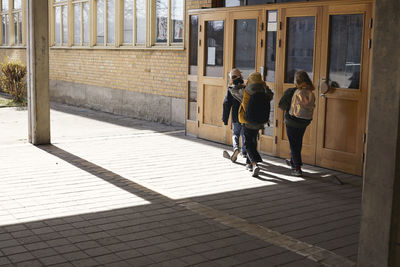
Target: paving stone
[52, 260]
[108, 259]
[85, 262]
[33, 263]
[8, 243]
[98, 251]
[128, 254]
[21, 257]
[36, 246]
[13, 250]
[75, 255]
[140, 261]
[66, 248]
[41, 253]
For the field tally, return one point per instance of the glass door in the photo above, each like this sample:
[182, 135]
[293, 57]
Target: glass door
[212, 77]
[344, 88]
[300, 47]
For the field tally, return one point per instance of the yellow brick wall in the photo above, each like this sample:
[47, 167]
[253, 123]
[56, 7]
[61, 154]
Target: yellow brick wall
[158, 72]
[13, 54]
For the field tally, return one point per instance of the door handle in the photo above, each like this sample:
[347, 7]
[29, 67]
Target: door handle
[324, 87]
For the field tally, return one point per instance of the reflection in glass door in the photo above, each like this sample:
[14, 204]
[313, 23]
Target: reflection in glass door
[345, 39]
[300, 46]
[245, 45]
[214, 48]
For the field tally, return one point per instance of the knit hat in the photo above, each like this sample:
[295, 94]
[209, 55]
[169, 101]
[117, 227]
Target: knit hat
[234, 74]
[255, 77]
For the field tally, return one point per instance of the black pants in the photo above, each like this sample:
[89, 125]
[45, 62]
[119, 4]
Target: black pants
[295, 136]
[250, 137]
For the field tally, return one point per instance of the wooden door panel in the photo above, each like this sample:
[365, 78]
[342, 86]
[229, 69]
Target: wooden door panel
[340, 118]
[212, 105]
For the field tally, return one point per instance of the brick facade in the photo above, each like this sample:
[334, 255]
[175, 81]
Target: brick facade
[160, 72]
[18, 54]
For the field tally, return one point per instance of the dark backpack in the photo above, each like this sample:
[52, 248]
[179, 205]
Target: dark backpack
[258, 108]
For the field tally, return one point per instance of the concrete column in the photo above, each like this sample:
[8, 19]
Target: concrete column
[38, 71]
[379, 236]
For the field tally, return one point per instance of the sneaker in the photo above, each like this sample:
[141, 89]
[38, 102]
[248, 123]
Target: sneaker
[297, 172]
[256, 171]
[249, 167]
[235, 155]
[290, 164]
[243, 154]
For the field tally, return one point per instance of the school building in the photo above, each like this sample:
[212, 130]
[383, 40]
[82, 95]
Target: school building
[168, 61]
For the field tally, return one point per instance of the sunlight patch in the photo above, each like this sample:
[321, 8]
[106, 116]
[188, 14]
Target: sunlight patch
[47, 187]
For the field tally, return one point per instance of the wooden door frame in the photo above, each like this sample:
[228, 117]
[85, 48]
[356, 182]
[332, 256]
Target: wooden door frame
[268, 144]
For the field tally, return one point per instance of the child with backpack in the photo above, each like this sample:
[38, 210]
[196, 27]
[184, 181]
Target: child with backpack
[254, 114]
[231, 104]
[298, 104]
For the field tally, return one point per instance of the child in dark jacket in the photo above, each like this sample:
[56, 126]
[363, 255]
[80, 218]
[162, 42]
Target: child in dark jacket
[231, 104]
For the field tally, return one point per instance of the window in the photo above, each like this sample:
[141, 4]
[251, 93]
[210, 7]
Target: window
[81, 23]
[134, 22]
[17, 17]
[128, 21]
[60, 22]
[161, 21]
[168, 21]
[105, 17]
[141, 23]
[5, 23]
[177, 20]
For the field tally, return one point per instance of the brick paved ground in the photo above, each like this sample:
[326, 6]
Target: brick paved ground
[115, 191]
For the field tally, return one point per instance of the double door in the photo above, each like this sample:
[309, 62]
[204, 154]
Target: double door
[330, 42]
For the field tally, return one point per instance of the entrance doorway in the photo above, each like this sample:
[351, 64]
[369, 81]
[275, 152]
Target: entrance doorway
[331, 42]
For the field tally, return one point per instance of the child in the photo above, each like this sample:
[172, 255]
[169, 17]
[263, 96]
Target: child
[254, 113]
[298, 104]
[231, 104]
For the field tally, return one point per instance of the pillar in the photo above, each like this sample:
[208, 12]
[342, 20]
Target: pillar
[379, 235]
[38, 71]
